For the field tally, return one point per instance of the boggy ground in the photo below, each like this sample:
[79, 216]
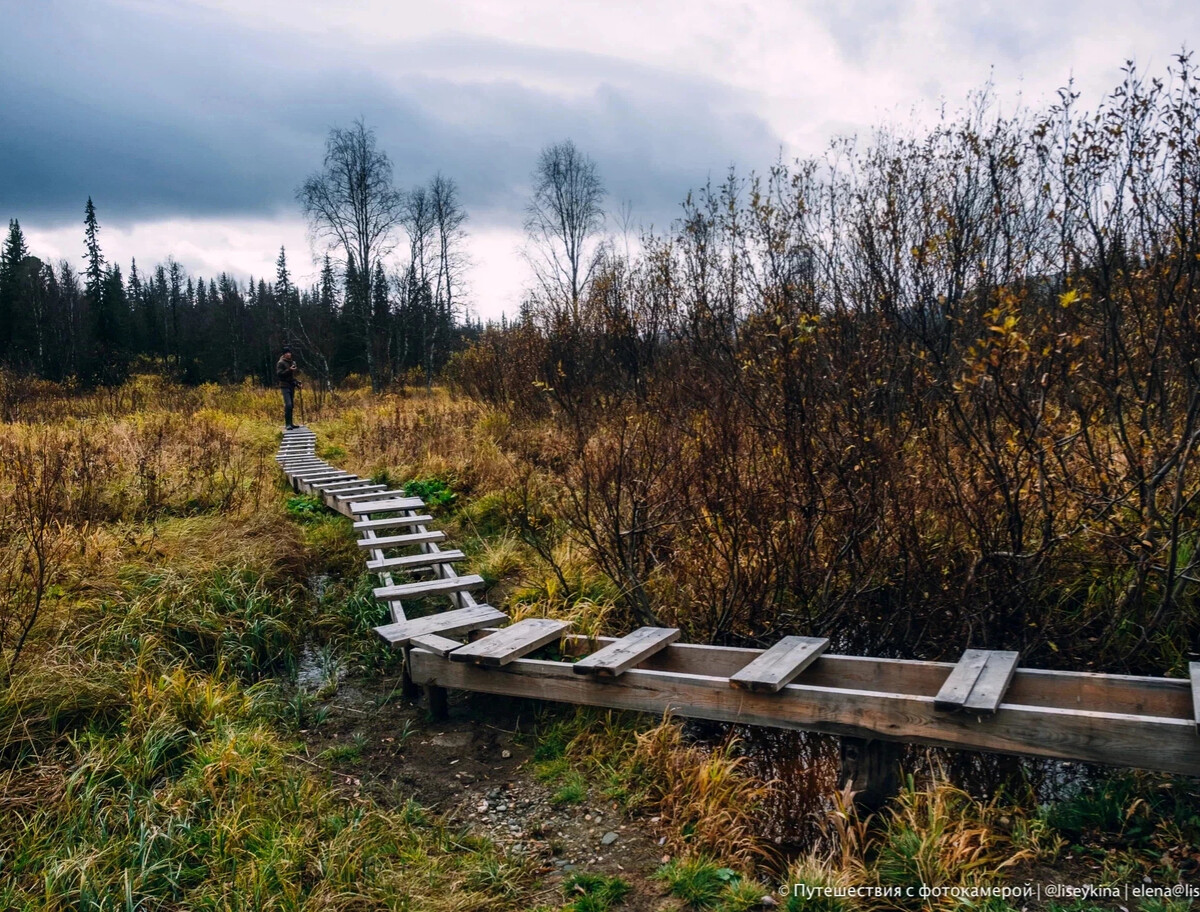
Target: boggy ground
[477, 769]
[160, 752]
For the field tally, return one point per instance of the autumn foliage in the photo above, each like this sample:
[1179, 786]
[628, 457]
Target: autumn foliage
[932, 391]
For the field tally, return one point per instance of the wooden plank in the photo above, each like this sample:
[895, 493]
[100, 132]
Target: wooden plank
[447, 623]
[415, 561]
[397, 541]
[438, 645]
[325, 482]
[1194, 674]
[430, 587]
[780, 664]
[615, 658]
[390, 505]
[358, 486]
[978, 682]
[351, 495]
[393, 522]
[511, 643]
[988, 692]
[1148, 742]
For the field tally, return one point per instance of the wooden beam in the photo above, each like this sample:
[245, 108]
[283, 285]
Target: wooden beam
[1136, 695]
[615, 658]
[780, 664]
[430, 587]
[1116, 739]
[1194, 674]
[393, 522]
[510, 643]
[397, 541]
[978, 682]
[447, 623]
[415, 561]
[392, 505]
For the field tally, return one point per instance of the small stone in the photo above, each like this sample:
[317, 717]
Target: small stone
[608, 838]
[505, 755]
[483, 806]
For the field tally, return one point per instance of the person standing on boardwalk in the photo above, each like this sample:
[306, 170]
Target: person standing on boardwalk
[285, 372]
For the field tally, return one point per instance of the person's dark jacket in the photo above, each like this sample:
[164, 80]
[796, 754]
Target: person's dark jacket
[285, 372]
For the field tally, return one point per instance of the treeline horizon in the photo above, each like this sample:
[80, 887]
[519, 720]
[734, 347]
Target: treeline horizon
[98, 325]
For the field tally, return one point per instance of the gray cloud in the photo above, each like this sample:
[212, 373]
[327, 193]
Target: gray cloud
[157, 116]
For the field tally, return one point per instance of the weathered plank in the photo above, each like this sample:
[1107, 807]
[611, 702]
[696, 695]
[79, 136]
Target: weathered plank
[978, 682]
[430, 587]
[511, 643]
[315, 475]
[615, 658]
[447, 623]
[1149, 742]
[359, 486]
[393, 522]
[391, 505]
[438, 645]
[396, 541]
[1194, 674]
[325, 482]
[780, 664]
[413, 561]
[379, 505]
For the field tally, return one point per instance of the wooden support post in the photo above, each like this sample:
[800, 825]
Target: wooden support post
[872, 769]
[408, 687]
[439, 710]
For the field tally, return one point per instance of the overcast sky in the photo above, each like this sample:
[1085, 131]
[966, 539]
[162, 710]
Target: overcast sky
[192, 122]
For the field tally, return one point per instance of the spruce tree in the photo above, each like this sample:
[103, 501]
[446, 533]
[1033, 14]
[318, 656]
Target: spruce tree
[11, 258]
[107, 361]
[93, 284]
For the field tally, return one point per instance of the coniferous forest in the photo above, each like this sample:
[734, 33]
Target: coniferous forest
[97, 323]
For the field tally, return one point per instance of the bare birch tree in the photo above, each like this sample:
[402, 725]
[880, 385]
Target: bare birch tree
[352, 205]
[562, 220]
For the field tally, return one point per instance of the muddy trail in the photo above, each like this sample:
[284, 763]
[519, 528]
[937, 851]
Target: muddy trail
[476, 771]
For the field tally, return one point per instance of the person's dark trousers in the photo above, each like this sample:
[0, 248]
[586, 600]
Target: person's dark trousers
[288, 396]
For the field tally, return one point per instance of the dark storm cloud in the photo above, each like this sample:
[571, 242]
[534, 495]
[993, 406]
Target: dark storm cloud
[156, 115]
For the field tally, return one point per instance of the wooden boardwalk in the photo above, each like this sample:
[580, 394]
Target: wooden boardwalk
[986, 701]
